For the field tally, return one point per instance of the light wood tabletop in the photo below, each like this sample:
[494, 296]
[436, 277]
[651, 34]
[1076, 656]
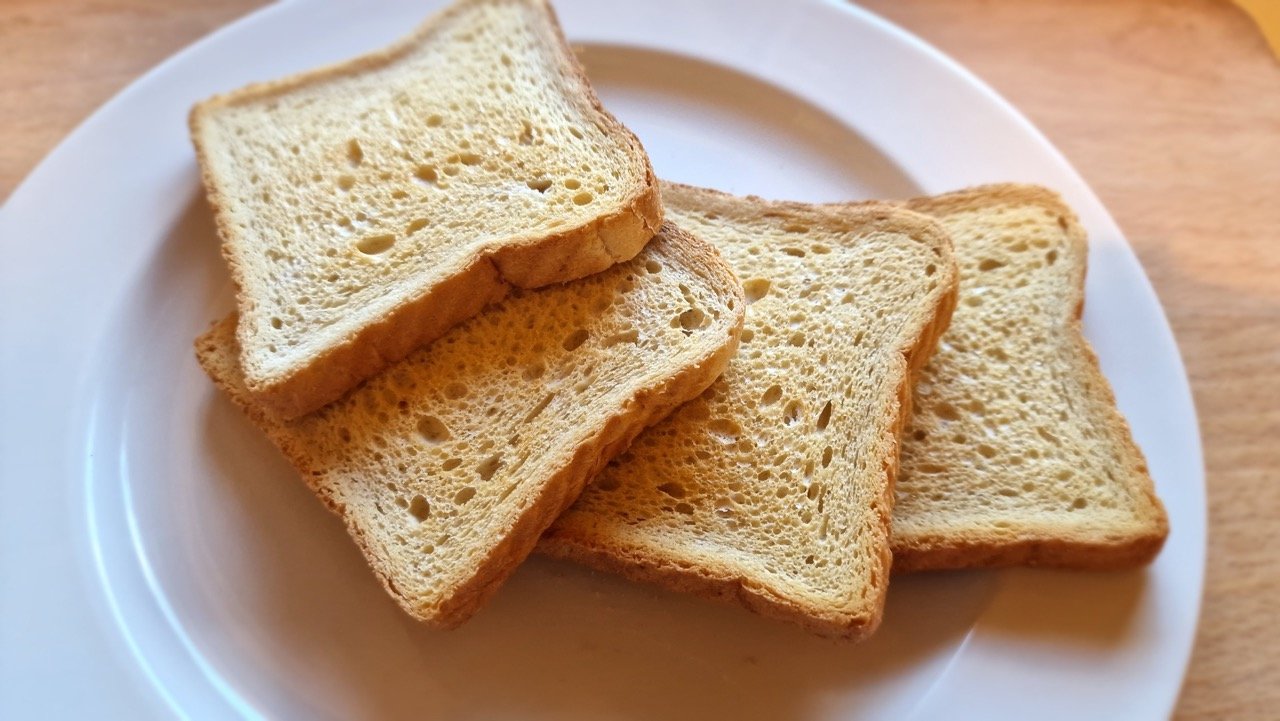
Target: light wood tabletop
[1169, 108]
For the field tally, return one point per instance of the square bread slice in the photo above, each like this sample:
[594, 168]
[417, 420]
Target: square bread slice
[1016, 454]
[774, 488]
[367, 207]
[448, 466]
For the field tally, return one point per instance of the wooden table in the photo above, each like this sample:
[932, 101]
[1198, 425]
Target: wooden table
[1169, 108]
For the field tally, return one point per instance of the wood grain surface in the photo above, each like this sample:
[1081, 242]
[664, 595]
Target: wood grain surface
[1169, 108]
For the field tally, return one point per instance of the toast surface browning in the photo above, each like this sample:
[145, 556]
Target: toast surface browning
[367, 207]
[774, 487]
[448, 466]
[1016, 453]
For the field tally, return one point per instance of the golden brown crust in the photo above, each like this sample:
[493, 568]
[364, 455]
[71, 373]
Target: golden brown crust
[489, 272]
[1036, 544]
[726, 582]
[1045, 547]
[721, 585]
[557, 492]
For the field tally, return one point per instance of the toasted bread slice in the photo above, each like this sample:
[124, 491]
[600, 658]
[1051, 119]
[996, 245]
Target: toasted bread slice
[775, 487]
[368, 207]
[448, 466]
[1016, 453]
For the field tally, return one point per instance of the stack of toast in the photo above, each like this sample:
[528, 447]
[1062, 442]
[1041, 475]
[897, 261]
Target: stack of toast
[478, 325]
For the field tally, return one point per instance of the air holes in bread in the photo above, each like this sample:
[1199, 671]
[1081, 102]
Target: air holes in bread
[724, 509]
[724, 430]
[756, 288]
[575, 339]
[419, 508]
[583, 198]
[947, 412]
[541, 185]
[824, 417]
[427, 174]
[989, 264]
[489, 466]
[629, 336]
[454, 391]
[355, 154]
[464, 494]
[535, 371]
[375, 244]
[433, 430]
[791, 413]
[675, 490]
[771, 395]
[691, 320]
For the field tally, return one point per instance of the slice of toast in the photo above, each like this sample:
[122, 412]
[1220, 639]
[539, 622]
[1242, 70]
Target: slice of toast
[1016, 453]
[774, 488]
[448, 466]
[366, 208]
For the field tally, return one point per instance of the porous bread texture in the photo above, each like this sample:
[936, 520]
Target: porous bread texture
[448, 466]
[1016, 453]
[774, 487]
[367, 207]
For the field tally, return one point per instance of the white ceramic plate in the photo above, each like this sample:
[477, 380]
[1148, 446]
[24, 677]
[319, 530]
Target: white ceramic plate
[159, 557]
